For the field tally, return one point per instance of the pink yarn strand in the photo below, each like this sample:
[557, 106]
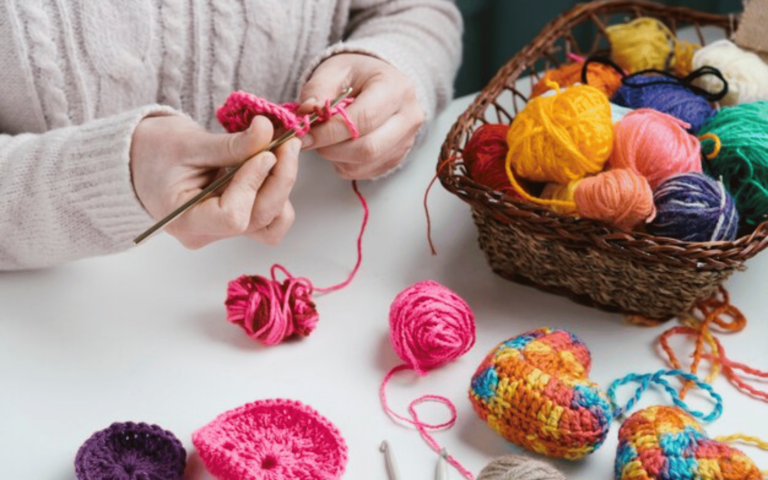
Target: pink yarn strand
[366, 214]
[423, 427]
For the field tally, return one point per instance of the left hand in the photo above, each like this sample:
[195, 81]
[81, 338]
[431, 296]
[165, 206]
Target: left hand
[385, 111]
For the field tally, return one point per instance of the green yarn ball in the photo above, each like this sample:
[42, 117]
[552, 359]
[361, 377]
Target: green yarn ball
[742, 162]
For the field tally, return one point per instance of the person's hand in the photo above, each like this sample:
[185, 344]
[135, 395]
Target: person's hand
[173, 158]
[385, 111]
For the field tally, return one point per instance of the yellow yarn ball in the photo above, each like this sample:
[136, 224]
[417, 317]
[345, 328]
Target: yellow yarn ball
[560, 138]
[647, 43]
[555, 191]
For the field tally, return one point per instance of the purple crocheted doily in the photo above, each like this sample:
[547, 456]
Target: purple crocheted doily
[131, 451]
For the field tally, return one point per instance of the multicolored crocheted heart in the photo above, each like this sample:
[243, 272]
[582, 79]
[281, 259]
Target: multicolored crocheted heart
[534, 390]
[660, 443]
[272, 440]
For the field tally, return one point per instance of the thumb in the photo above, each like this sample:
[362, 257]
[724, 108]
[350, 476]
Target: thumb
[232, 149]
[330, 78]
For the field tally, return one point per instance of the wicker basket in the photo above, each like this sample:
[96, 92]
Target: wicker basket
[634, 273]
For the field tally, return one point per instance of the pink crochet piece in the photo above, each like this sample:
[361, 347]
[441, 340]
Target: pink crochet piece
[240, 108]
[272, 440]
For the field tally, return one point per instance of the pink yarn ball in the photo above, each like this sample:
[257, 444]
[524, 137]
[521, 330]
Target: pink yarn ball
[430, 326]
[654, 145]
[270, 311]
[619, 197]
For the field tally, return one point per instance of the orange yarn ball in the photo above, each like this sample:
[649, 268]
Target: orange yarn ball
[655, 145]
[602, 77]
[619, 197]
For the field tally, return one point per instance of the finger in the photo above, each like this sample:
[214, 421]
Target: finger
[231, 149]
[230, 213]
[378, 101]
[367, 156]
[276, 231]
[277, 187]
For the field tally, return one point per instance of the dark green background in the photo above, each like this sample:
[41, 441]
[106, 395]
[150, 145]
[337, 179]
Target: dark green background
[494, 30]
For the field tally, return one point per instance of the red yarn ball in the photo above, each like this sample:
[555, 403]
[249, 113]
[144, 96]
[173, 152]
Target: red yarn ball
[430, 326]
[270, 311]
[485, 156]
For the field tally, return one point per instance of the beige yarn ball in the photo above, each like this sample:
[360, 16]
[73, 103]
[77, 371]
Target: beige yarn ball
[519, 467]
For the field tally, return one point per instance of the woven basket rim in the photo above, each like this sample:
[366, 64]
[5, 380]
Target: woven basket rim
[581, 231]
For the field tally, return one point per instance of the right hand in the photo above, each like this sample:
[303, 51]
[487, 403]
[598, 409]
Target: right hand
[173, 158]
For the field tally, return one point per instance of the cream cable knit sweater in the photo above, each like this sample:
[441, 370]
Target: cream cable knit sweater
[76, 77]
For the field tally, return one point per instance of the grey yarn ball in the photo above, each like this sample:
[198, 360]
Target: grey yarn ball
[519, 467]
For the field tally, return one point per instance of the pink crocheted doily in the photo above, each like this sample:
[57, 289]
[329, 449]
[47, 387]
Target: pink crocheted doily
[272, 440]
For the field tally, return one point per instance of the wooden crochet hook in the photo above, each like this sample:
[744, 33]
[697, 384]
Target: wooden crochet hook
[227, 177]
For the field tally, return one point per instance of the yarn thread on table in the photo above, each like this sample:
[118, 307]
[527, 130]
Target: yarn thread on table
[735, 142]
[131, 451]
[694, 208]
[534, 390]
[745, 72]
[655, 145]
[272, 440]
[663, 442]
[715, 311]
[430, 326]
[560, 138]
[619, 197]
[646, 43]
[267, 309]
[519, 467]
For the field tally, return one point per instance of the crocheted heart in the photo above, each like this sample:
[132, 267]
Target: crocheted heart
[534, 390]
[660, 443]
[272, 440]
[131, 451]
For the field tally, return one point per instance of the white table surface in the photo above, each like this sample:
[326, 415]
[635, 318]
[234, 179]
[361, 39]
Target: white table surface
[142, 335]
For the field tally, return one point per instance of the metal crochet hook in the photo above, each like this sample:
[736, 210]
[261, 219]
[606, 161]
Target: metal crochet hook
[441, 473]
[389, 460]
[227, 177]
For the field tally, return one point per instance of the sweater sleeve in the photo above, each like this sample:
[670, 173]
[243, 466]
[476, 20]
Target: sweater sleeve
[422, 38]
[67, 193]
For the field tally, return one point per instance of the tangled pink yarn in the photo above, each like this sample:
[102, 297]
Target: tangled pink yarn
[430, 326]
[270, 311]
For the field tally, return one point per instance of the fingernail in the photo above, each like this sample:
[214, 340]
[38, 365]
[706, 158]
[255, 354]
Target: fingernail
[268, 163]
[308, 102]
[307, 141]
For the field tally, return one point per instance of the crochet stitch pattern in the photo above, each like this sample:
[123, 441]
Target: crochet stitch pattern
[663, 442]
[534, 390]
[272, 440]
[131, 451]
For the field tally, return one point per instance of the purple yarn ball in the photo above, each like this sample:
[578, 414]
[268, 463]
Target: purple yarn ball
[670, 96]
[694, 208]
[131, 451]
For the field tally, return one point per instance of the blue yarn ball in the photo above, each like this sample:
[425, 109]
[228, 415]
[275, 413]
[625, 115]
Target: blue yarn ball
[694, 208]
[671, 97]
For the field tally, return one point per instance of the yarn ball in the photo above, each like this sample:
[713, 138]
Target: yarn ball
[534, 390]
[619, 197]
[672, 97]
[430, 326]
[272, 440]
[742, 158]
[484, 157]
[655, 145]
[745, 72]
[554, 191]
[660, 443]
[131, 451]
[617, 111]
[270, 311]
[561, 137]
[519, 467]
[694, 208]
[646, 43]
[600, 76]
